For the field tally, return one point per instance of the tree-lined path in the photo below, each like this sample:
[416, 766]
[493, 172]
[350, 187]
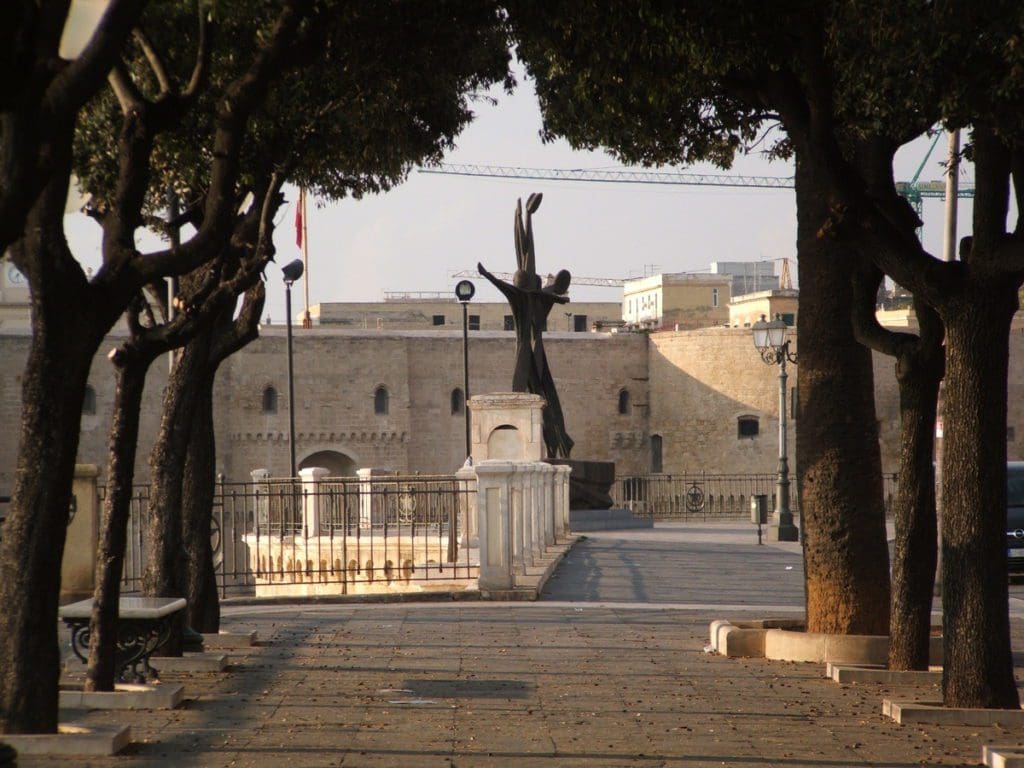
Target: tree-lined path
[609, 672]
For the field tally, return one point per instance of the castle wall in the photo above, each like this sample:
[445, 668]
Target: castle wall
[93, 446]
[688, 387]
[336, 374]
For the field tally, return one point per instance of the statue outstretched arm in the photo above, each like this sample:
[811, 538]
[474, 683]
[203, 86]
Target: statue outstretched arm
[510, 292]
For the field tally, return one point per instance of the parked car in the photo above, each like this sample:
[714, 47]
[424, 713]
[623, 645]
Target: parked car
[1015, 516]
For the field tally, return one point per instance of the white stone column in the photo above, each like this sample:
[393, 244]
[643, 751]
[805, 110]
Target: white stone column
[562, 499]
[537, 509]
[524, 476]
[516, 518]
[550, 503]
[261, 490]
[311, 477]
[368, 514]
[468, 524]
[494, 523]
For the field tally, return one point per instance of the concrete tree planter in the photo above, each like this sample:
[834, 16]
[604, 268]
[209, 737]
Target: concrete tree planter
[72, 739]
[786, 640]
[124, 696]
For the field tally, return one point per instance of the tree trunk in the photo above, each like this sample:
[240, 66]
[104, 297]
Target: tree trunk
[914, 560]
[168, 563]
[33, 536]
[838, 459]
[978, 667]
[197, 513]
[124, 433]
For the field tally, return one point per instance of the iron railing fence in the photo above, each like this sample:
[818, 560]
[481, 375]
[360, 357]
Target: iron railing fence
[359, 534]
[700, 495]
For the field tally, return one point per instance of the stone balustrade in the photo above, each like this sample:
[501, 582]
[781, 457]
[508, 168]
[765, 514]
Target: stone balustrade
[522, 507]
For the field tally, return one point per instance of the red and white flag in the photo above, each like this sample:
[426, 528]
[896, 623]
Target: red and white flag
[299, 210]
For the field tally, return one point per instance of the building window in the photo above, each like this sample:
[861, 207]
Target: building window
[509, 323]
[714, 297]
[1011, 434]
[438, 319]
[624, 401]
[474, 322]
[579, 323]
[458, 402]
[89, 401]
[380, 401]
[747, 426]
[788, 318]
[270, 400]
[656, 465]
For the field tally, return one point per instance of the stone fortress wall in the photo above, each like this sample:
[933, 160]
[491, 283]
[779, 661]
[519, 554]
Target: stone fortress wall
[688, 387]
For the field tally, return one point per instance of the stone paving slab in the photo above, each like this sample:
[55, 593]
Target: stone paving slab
[461, 685]
[611, 673]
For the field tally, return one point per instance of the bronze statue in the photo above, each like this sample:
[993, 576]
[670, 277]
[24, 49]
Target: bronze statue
[531, 303]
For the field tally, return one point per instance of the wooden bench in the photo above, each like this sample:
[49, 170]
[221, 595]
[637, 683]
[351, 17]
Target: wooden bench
[143, 625]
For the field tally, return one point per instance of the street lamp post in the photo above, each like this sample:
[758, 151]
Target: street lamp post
[292, 271]
[770, 341]
[464, 292]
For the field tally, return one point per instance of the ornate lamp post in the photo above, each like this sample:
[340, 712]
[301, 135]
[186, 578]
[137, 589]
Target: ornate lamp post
[292, 271]
[771, 342]
[464, 291]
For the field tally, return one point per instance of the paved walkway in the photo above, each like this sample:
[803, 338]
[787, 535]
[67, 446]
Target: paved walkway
[608, 670]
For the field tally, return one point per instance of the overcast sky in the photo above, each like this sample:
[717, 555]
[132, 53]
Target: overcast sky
[414, 237]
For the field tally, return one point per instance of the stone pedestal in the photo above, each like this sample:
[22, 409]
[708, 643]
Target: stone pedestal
[506, 426]
[79, 564]
[496, 539]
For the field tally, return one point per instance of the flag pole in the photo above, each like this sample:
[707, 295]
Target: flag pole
[307, 321]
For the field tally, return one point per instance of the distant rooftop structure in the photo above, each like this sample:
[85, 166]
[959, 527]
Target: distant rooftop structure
[748, 276]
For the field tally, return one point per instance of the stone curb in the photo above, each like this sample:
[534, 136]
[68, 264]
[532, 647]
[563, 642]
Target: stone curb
[994, 756]
[785, 640]
[857, 673]
[191, 662]
[933, 713]
[229, 641]
[73, 739]
[124, 696]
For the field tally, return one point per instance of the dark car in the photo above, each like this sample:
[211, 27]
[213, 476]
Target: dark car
[1015, 516]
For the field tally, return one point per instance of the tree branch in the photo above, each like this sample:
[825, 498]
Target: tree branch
[866, 278]
[121, 83]
[233, 112]
[156, 62]
[77, 82]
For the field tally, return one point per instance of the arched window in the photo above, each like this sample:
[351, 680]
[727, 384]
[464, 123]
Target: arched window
[656, 459]
[269, 400]
[89, 401]
[747, 426]
[623, 401]
[380, 401]
[458, 402]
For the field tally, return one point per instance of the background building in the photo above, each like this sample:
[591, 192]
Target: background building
[437, 311]
[381, 395]
[682, 300]
[748, 276]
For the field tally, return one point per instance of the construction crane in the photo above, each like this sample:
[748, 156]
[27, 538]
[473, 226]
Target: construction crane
[601, 282]
[614, 176]
[914, 190]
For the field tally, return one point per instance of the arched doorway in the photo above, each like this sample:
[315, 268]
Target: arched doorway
[336, 463]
